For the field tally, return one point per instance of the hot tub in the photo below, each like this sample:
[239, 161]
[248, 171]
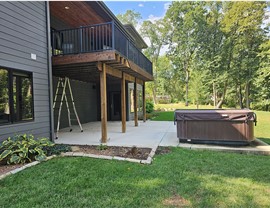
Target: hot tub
[232, 127]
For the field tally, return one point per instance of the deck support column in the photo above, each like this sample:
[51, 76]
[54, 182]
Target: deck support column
[103, 101]
[135, 103]
[123, 102]
[144, 103]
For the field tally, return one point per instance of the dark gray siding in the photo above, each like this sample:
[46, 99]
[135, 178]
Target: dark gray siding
[85, 98]
[23, 31]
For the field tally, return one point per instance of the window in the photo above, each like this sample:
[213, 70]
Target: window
[16, 96]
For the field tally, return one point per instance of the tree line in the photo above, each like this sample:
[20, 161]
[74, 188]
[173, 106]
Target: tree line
[217, 53]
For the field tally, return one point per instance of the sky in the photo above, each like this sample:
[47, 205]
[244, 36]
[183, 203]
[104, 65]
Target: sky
[149, 10]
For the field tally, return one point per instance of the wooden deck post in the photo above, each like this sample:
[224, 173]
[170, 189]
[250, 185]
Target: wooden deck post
[103, 101]
[123, 102]
[135, 103]
[144, 103]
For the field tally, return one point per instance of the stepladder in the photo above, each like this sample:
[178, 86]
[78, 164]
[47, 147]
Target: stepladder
[64, 94]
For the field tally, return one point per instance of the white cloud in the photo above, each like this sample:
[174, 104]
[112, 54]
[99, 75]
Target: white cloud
[141, 5]
[166, 5]
[153, 18]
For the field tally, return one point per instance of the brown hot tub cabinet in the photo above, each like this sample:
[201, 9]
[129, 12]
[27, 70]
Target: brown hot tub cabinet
[231, 127]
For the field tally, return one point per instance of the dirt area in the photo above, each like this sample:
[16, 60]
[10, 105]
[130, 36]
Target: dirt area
[6, 168]
[163, 150]
[129, 152]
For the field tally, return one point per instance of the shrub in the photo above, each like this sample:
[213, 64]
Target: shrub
[149, 106]
[263, 106]
[102, 147]
[56, 149]
[22, 149]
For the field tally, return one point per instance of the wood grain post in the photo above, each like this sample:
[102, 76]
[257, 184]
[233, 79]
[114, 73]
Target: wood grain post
[123, 102]
[135, 103]
[103, 101]
[144, 103]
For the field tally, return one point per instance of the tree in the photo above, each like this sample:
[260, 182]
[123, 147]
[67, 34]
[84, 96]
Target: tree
[263, 77]
[130, 17]
[156, 33]
[186, 21]
[242, 25]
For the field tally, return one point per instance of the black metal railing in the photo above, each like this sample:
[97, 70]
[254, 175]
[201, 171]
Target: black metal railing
[99, 37]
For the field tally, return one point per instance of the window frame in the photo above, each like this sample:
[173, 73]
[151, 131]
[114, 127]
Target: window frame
[11, 71]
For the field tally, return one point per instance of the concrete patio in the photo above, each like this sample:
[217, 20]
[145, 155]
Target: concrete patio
[147, 134]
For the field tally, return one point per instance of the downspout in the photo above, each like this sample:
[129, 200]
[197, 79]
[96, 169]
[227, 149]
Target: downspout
[49, 62]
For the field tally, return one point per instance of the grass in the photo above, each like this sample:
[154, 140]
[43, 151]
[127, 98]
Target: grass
[182, 178]
[262, 130]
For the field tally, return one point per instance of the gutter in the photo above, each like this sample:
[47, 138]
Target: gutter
[49, 62]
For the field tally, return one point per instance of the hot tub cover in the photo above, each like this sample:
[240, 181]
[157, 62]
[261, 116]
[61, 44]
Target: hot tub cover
[215, 115]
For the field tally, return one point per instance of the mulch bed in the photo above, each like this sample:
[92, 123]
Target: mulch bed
[127, 152]
[6, 168]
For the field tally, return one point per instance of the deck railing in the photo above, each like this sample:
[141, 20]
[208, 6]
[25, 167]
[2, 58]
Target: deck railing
[95, 38]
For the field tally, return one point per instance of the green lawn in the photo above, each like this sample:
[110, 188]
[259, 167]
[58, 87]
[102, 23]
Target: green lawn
[182, 177]
[262, 130]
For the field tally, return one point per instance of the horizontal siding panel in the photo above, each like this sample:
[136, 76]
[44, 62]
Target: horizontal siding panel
[20, 30]
[41, 108]
[42, 119]
[29, 12]
[41, 56]
[21, 39]
[18, 41]
[23, 127]
[26, 60]
[40, 76]
[43, 131]
[40, 81]
[40, 87]
[42, 114]
[42, 104]
[40, 5]
[38, 92]
[23, 54]
[29, 25]
[21, 66]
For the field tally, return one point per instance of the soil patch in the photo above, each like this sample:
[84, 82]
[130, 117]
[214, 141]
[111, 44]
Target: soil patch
[176, 201]
[163, 150]
[6, 168]
[127, 152]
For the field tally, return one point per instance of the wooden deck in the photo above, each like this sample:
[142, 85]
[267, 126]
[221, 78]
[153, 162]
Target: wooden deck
[79, 65]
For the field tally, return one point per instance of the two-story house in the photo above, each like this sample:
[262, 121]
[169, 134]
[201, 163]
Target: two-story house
[84, 41]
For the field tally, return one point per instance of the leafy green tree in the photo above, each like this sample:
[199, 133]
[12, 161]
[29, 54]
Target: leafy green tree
[242, 24]
[130, 17]
[186, 21]
[263, 77]
[156, 33]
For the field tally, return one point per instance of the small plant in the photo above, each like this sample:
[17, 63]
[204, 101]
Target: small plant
[56, 149]
[22, 149]
[102, 147]
[149, 106]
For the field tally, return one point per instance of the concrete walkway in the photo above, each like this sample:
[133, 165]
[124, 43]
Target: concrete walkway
[150, 134]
